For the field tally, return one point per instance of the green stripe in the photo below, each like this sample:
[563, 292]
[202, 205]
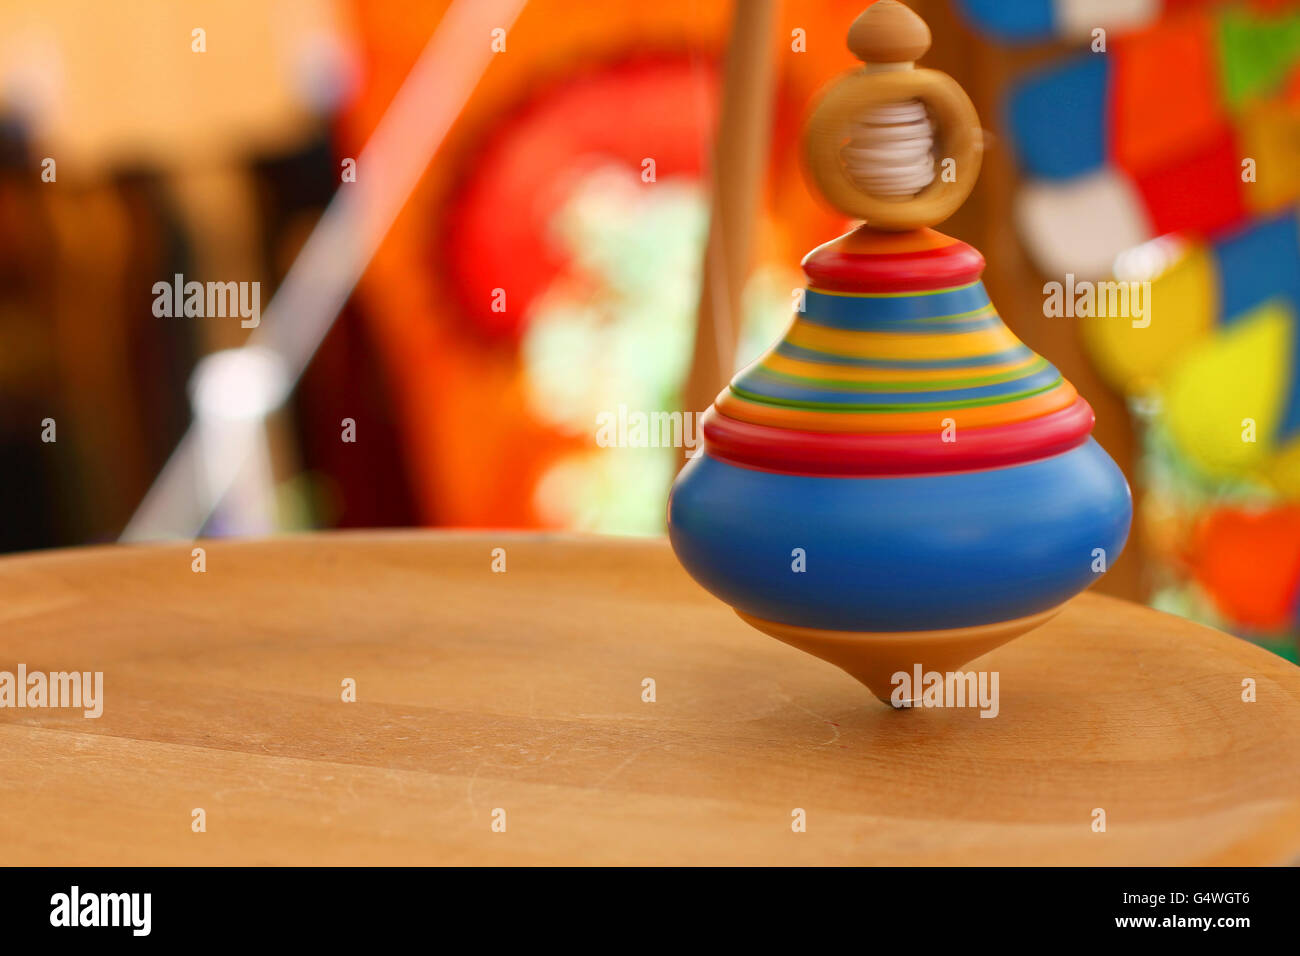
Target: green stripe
[921, 407]
[957, 317]
[925, 386]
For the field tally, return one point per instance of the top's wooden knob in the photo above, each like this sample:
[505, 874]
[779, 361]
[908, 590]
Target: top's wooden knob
[866, 178]
[888, 32]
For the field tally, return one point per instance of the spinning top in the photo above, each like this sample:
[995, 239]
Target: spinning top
[899, 482]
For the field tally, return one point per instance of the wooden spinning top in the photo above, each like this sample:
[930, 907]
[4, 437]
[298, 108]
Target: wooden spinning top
[899, 483]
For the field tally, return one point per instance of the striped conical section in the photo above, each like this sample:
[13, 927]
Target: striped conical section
[897, 363]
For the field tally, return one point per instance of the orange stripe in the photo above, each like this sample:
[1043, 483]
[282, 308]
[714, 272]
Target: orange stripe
[818, 371]
[1044, 403]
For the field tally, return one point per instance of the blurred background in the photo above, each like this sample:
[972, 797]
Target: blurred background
[519, 199]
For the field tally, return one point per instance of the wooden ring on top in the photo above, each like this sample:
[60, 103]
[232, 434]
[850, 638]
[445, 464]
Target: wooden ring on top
[957, 137]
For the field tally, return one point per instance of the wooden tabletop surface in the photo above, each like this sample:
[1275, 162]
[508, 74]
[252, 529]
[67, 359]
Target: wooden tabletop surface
[518, 696]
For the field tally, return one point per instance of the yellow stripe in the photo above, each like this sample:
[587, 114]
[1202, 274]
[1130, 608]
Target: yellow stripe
[847, 373]
[902, 345]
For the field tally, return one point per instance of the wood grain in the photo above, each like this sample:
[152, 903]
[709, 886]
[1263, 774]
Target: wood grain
[522, 690]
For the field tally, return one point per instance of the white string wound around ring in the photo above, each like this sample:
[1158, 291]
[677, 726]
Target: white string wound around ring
[890, 153]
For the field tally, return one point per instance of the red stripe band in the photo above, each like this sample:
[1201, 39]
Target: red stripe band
[850, 454]
[831, 269]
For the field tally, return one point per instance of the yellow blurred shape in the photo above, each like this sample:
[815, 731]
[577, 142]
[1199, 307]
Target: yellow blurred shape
[166, 84]
[1229, 389]
[1181, 308]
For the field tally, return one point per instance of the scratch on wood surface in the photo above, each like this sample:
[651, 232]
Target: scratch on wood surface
[835, 728]
[627, 762]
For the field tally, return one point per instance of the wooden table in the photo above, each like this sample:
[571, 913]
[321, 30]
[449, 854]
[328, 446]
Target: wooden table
[523, 691]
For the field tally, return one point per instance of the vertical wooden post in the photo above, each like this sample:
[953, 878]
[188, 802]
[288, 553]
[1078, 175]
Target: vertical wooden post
[740, 158]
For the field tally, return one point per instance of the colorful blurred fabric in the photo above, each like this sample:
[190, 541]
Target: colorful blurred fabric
[547, 269]
[1174, 158]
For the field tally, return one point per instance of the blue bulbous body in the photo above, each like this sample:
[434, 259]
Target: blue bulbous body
[890, 554]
